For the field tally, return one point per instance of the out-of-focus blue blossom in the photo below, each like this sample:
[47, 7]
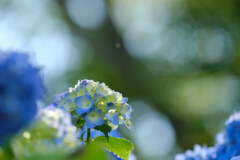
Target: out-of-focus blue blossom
[236, 158]
[198, 153]
[51, 131]
[60, 122]
[227, 144]
[96, 104]
[20, 88]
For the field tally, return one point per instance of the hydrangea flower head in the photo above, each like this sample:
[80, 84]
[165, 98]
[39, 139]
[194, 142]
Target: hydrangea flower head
[236, 158]
[227, 144]
[60, 122]
[51, 131]
[96, 104]
[20, 88]
[198, 153]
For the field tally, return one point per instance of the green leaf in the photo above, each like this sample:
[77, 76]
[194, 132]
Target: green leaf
[79, 124]
[105, 129]
[92, 151]
[119, 146]
[81, 138]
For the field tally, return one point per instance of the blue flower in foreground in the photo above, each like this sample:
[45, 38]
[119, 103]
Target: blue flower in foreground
[236, 158]
[51, 132]
[56, 124]
[96, 104]
[198, 153]
[227, 144]
[20, 88]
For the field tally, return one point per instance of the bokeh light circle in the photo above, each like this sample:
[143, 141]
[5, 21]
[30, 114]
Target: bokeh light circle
[89, 14]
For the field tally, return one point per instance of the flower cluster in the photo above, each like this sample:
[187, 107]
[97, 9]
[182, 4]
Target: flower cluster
[95, 104]
[51, 131]
[59, 121]
[20, 88]
[198, 153]
[227, 144]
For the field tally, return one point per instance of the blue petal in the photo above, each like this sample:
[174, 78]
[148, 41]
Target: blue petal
[98, 96]
[124, 100]
[94, 118]
[84, 103]
[94, 133]
[85, 85]
[113, 117]
[69, 95]
[67, 105]
[80, 90]
[58, 97]
[126, 111]
[236, 158]
[115, 133]
[111, 106]
[128, 124]
[100, 101]
[103, 90]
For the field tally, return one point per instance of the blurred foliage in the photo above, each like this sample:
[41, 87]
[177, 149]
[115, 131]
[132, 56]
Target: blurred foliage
[91, 152]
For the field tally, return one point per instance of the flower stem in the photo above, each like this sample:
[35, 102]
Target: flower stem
[88, 134]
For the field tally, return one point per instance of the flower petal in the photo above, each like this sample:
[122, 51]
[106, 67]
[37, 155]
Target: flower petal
[94, 118]
[103, 90]
[84, 103]
[126, 111]
[67, 105]
[111, 106]
[112, 117]
[58, 97]
[114, 127]
[124, 100]
[236, 158]
[80, 91]
[70, 95]
[128, 124]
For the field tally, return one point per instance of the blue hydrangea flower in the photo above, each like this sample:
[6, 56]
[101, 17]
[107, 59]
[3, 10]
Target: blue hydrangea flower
[198, 153]
[84, 103]
[51, 131]
[236, 158]
[227, 144]
[20, 88]
[94, 118]
[96, 104]
[60, 127]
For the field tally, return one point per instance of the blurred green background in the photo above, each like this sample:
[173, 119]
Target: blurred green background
[178, 61]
